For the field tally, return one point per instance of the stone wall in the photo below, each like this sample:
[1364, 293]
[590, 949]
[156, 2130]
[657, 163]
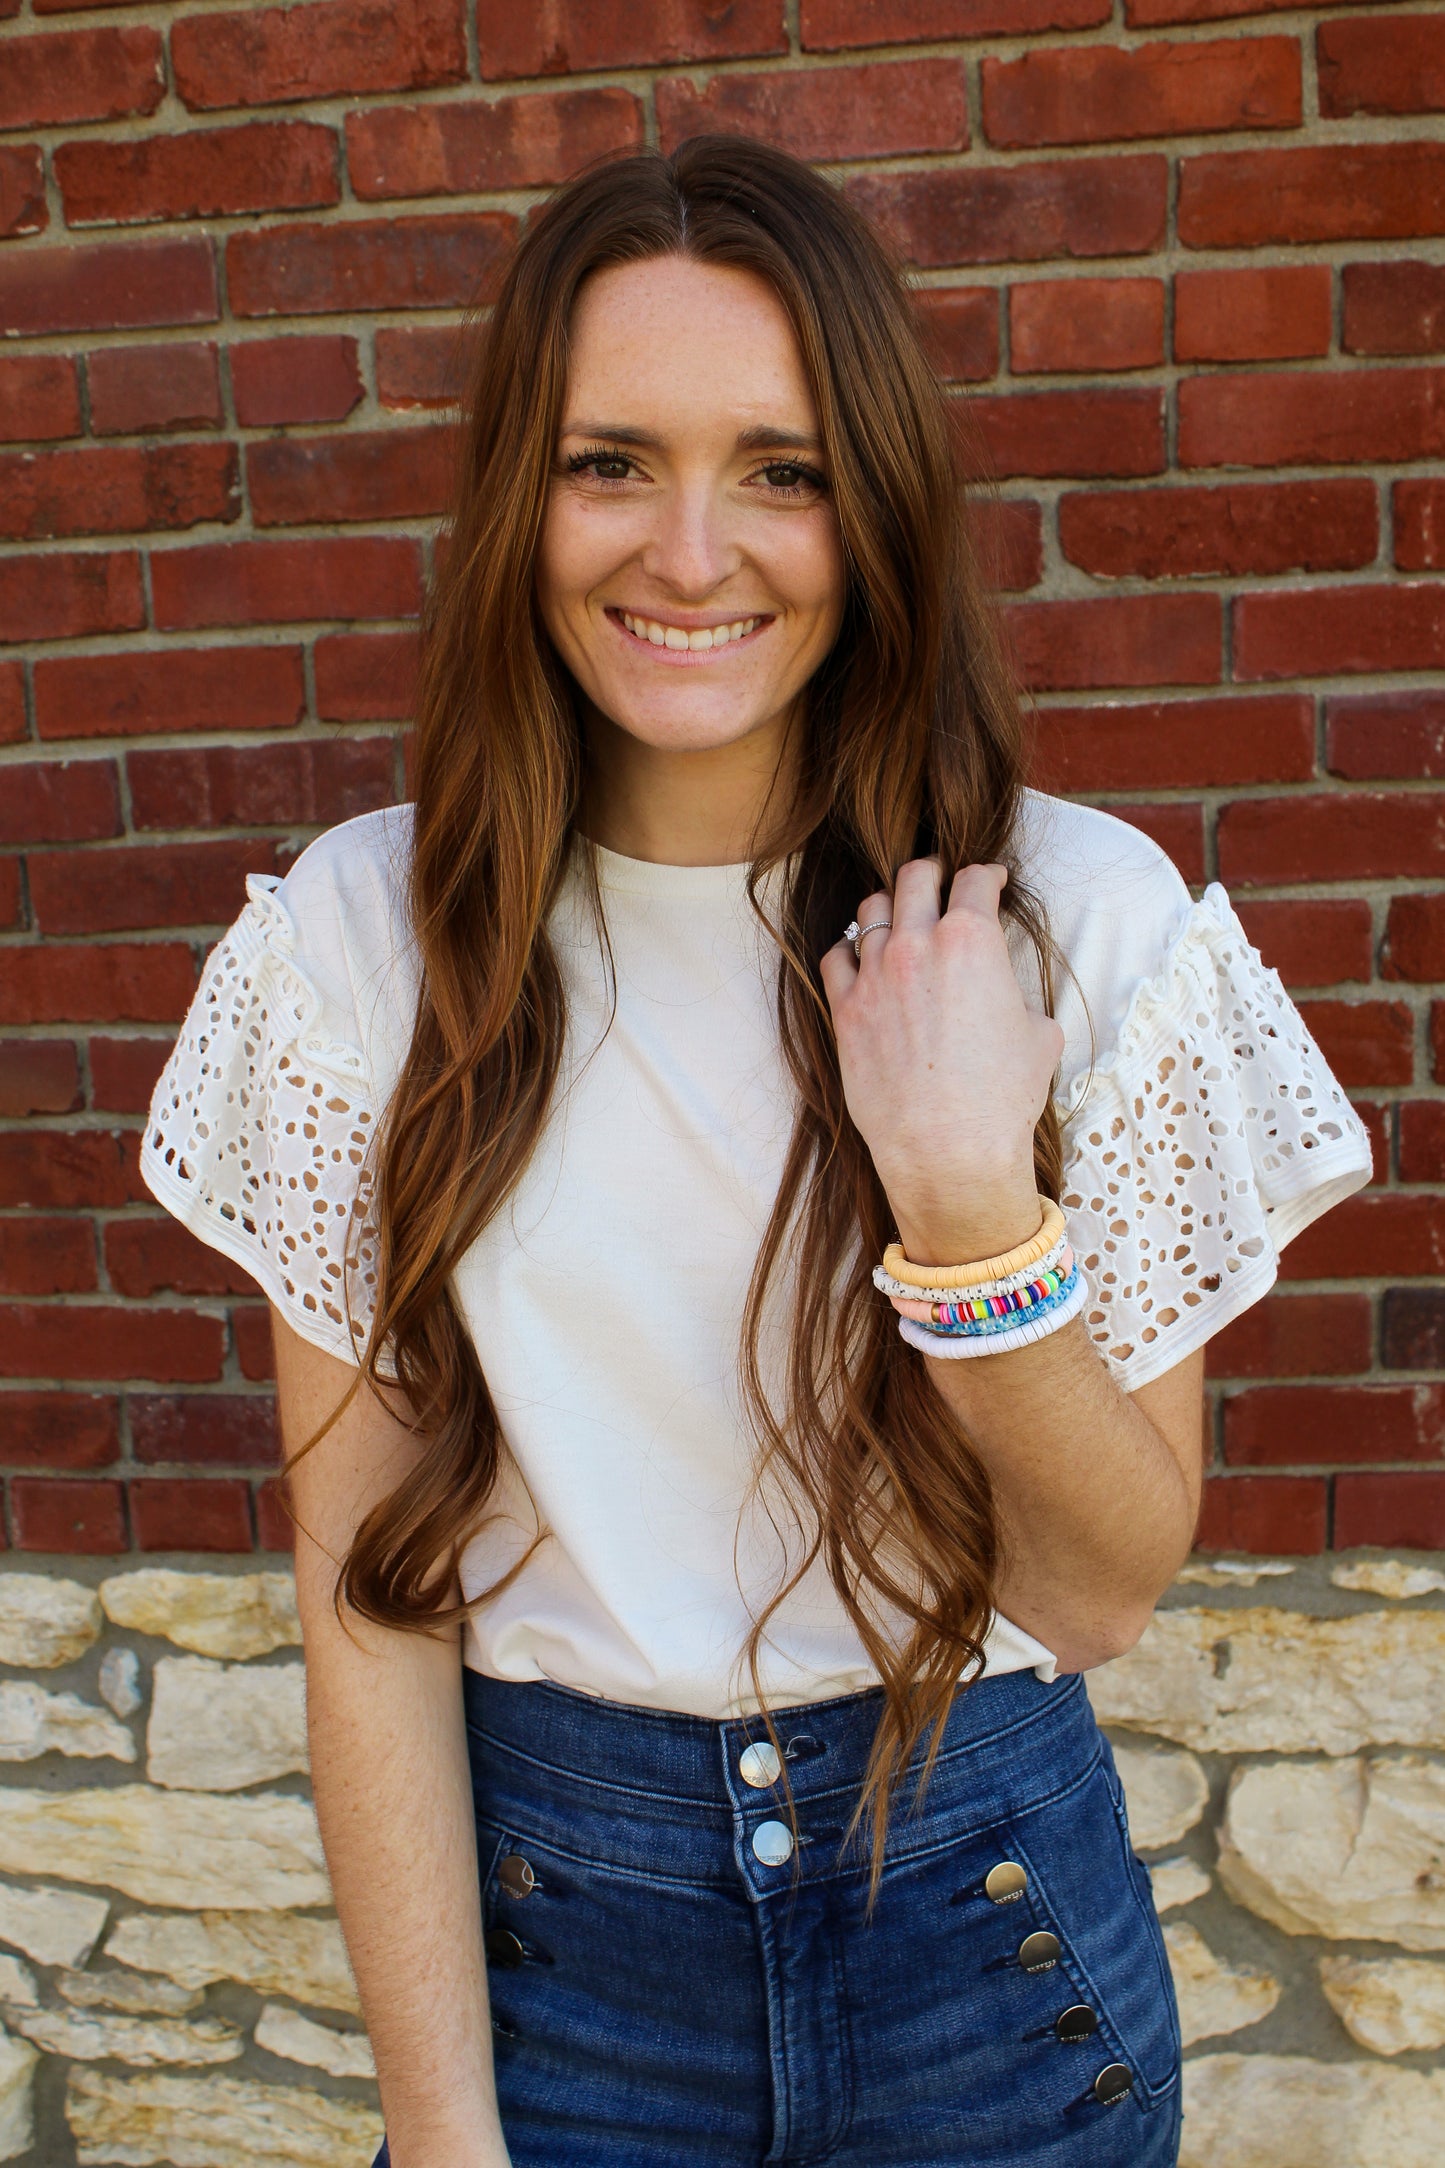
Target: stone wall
[174, 1988]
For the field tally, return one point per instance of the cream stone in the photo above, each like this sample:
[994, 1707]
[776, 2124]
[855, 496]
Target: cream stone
[17, 1981]
[1165, 1793]
[1214, 1996]
[138, 1992]
[218, 1727]
[170, 1848]
[54, 1926]
[1392, 2005]
[33, 1721]
[1269, 1681]
[1350, 1849]
[45, 1621]
[1287, 2111]
[17, 2103]
[215, 1614]
[120, 1681]
[1177, 1882]
[301, 2040]
[139, 2041]
[215, 2123]
[1233, 1572]
[278, 1953]
[1390, 1577]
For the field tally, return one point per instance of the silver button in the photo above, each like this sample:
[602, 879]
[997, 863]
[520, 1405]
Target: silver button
[773, 1843]
[1006, 1882]
[759, 1765]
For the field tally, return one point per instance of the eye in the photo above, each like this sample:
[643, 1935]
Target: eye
[603, 462]
[792, 478]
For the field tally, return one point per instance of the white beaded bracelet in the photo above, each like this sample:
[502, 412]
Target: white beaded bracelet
[951, 1347]
[887, 1285]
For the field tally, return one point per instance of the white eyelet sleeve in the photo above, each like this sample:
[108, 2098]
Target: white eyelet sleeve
[1204, 1140]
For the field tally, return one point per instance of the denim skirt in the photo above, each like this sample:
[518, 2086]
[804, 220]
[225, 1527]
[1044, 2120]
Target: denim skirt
[674, 1980]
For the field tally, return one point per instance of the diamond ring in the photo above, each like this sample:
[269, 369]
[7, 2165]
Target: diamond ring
[854, 932]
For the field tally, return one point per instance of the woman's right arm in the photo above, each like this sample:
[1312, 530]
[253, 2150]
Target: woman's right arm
[392, 1788]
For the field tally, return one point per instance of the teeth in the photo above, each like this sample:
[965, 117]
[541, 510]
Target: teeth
[647, 628]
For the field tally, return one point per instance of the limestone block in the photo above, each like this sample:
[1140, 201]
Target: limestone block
[1269, 1681]
[1233, 1572]
[1390, 1577]
[33, 1721]
[138, 1992]
[1213, 1996]
[54, 1926]
[17, 1981]
[1388, 2004]
[301, 2040]
[215, 1614]
[1287, 2111]
[1350, 1849]
[215, 2123]
[1177, 1882]
[278, 1953]
[45, 1622]
[17, 2107]
[140, 2041]
[169, 1848]
[1165, 1793]
[217, 1727]
[120, 1681]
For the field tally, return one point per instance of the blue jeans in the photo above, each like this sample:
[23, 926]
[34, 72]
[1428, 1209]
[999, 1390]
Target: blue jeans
[667, 1991]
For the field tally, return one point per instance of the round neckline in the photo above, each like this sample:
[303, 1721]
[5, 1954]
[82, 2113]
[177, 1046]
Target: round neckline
[653, 877]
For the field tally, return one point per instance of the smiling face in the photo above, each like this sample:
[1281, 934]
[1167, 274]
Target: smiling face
[690, 573]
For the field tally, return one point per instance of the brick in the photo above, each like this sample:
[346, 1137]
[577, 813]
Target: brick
[1364, 1042]
[1328, 192]
[1086, 323]
[60, 801]
[1294, 417]
[960, 330]
[39, 398]
[164, 689]
[1397, 1512]
[1377, 1234]
[1173, 744]
[1103, 429]
[835, 25]
[421, 365]
[1110, 94]
[883, 109]
[191, 1513]
[143, 389]
[1386, 734]
[1009, 541]
[75, 75]
[1419, 518]
[1313, 1425]
[274, 1529]
[47, 1256]
[1294, 1336]
[135, 982]
[1316, 632]
[135, 886]
[1422, 1140]
[108, 286]
[154, 1256]
[1317, 941]
[1116, 640]
[251, 1325]
[331, 48]
[1177, 829]
[1231, 529]
[123, 1072]
[12, 913]
[1025, 213]
[206, 173]
[309, 782]
[1393, 308]
[310, 379]
[12, 703]
[61, 597]
[556, 39]
[283, 583]
[116, 489]
[22, 190]
[58, 1430]
[381, 474]
[67, 1516]
[402, 263]
[1437, 1041]
[235, 1430]
[1335, 836]
[366, 676]
[49, 1169]
[1260, 1514]
[38, 1076]
[1412, 1328]
[465, 147]
[95, 1340]
[1381, 64]
[1276, 312]
[1415, 938]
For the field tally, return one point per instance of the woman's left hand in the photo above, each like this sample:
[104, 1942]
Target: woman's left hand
[945, 1068]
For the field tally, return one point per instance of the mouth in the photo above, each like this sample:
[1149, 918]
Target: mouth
[686, 644]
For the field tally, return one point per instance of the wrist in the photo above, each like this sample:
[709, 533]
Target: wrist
[953, 1231]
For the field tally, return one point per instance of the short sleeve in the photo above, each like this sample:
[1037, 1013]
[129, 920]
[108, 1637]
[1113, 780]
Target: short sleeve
[1203, 1140]
[260, 1127]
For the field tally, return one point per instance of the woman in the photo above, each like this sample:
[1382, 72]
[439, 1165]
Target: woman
[694, 1636]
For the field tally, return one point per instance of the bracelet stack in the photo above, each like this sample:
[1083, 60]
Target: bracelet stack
[992, 1305]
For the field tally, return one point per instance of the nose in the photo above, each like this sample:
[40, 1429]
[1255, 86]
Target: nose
[690, 551]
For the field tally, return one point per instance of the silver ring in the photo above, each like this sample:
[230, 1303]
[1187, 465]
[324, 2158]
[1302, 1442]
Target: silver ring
[854, 932]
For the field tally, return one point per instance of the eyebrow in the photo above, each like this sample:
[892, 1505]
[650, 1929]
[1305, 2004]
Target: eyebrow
[763, 437]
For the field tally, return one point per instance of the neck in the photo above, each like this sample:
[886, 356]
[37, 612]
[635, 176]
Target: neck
[703, 807]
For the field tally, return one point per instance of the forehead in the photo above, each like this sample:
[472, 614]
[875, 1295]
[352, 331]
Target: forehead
[671, 337]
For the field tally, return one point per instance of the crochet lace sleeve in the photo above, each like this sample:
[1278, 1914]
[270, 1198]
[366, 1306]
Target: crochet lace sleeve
[259, 1128]
[1208, 1136]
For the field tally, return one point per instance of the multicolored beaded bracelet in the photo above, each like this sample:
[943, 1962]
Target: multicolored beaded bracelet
[1004, 1301]
[995, 1323]
[951, 1347]
[1028, 1255]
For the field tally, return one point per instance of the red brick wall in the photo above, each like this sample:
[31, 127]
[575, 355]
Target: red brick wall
[1185, 255]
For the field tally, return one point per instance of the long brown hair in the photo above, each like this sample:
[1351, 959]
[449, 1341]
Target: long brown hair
[910, 744]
